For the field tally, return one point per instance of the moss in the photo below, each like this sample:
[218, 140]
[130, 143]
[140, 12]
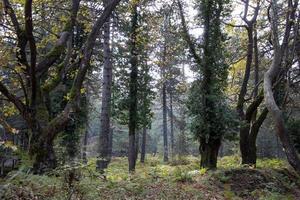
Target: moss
[54, 81]
[50, 84]
[56, 51]
[68, 26]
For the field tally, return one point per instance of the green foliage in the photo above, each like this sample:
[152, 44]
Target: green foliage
[230, 162]
[271, 163]
[182, 175]
[145, 86]
[211, 116]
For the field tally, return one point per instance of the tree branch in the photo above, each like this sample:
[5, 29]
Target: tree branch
[187, 36]
[61, 120]
[22, 40]
[17, 102]
[60, 46]
[33, 51]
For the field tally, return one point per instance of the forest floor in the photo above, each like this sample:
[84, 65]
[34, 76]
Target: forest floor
[272, 179]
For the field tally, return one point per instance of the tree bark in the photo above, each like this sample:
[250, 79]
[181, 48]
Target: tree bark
[104, 154]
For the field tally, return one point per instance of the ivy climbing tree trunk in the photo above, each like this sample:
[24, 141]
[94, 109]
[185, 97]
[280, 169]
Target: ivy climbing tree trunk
[132, 125]
[206, 96]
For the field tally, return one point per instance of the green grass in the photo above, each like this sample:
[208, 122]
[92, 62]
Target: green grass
[156, 180]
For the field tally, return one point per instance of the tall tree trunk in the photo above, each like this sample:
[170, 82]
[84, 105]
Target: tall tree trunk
[87, 127]
[164, 99]
[172, 126]
[104, 152]
[132, 125]
[253, 131]
[165, 126]
[143, 147]
[245, 125]
[252, 45]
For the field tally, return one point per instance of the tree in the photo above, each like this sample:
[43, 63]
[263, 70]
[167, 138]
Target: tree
[34, 110]
[132, 124]
[270, 76]
[105, 129]
[250, 124]
[164, 96]
[207, 109]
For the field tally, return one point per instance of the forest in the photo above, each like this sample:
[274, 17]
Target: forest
[149, 99]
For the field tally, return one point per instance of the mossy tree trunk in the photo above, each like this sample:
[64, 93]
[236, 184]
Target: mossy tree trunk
[132, 124]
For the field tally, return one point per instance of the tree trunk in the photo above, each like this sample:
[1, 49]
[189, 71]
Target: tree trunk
[271, 75]
[131, 153]
[137, 145]
[165, 126]
[248, 146]
[132, 125]
[182, 150]
[244, 141]
[277, 116]
[44, 157]
[245, 124]
[110, 142]
[143, 147]
[172, 126]
[84, 149]
[104, 152]
[209, 153]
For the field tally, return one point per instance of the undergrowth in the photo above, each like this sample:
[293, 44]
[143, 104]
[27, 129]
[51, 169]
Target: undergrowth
[156, 180]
